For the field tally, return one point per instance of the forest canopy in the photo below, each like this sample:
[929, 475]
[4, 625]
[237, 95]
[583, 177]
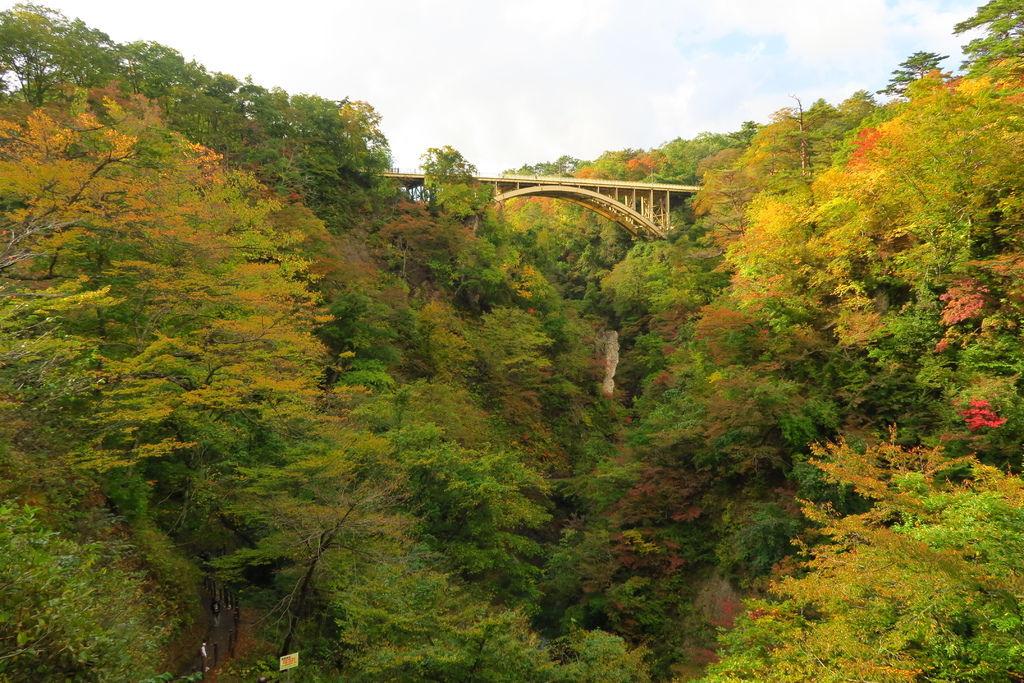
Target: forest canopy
[257, 399]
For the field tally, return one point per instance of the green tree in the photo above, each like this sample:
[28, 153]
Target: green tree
[682, 157]
[598, 657]
[157, 71]
[40, 50]
[911, 69]
[448, 177]
[446, 164]
[69, 611]
[311, 513]
[509, 345]
[564, 165]
[400, 621]
[474, 506]
[1001, 50]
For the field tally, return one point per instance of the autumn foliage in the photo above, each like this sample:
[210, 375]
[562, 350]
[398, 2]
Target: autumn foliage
[231, 351]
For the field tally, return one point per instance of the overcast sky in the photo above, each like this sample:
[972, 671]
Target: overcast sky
[523, 81]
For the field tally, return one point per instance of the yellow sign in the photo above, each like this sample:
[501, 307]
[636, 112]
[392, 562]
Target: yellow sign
[289, 661]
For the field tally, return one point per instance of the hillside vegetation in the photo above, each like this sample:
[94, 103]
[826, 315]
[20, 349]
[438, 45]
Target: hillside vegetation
[231, 352]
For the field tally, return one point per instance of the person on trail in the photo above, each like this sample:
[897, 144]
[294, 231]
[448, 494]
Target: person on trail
[215, 610]
[202, 657]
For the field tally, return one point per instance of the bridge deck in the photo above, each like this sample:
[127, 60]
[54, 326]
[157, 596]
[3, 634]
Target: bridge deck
[560, 180]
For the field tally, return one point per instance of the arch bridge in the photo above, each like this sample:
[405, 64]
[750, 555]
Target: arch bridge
[641, 208]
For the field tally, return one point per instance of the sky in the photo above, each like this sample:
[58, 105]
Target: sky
[524, 81]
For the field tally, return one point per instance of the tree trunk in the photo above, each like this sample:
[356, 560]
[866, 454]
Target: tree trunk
[300, 601]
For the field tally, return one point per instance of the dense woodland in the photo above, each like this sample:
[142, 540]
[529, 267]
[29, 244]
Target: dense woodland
[230, 350]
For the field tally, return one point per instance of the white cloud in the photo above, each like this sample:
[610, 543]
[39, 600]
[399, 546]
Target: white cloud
[563, 19]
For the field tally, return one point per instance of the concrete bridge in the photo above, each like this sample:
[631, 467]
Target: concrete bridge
[640, 208]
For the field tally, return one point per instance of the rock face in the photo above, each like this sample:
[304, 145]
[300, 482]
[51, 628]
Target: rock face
[611, 361]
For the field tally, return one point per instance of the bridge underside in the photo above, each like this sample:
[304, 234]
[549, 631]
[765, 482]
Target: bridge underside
[633, 221]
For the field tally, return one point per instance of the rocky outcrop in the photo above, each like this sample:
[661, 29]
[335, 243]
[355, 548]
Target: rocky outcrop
[611, 361]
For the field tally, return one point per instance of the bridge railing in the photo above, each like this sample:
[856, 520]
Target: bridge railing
[606, 182]
[478, 174]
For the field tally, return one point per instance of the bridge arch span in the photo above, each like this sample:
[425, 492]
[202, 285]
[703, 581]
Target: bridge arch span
[642, 209]
[633, 221]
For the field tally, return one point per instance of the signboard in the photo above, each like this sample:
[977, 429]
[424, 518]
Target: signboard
[289, 661]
